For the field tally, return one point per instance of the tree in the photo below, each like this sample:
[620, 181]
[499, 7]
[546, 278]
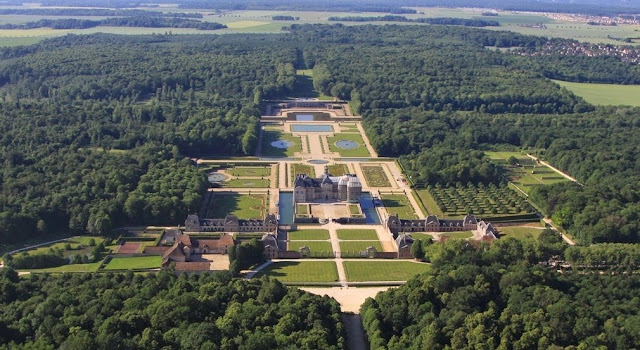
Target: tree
[417, 250]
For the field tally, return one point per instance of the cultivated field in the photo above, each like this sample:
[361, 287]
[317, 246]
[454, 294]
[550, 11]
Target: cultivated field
[134, 263]
[375, 176]
[360, 271]
[605, 94]
[244, 206]
[362, 234]
[398, 204]
[302, 271]
[302, 235]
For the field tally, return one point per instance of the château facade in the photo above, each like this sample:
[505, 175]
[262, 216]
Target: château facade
[327, 188]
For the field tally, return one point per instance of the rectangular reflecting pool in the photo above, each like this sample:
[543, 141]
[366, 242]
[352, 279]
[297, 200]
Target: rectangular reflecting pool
[311, 128]
[304, 117]
[369, 209]
[285, 205]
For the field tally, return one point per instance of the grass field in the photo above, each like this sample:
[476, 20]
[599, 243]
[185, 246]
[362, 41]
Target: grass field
[362, 271]
[520, 232]
[92, 267]
[421, 235]
[605, 94]
[350, 235]
[270, 151]
[249, 171]
[244, 206]
[302, 271]
[315, 247]
[360, 151]
[308, 235]
[338, 169]
[75, 242]
[375, 176]
[398, 204]
[301, 169]
[138, 262]
[247, 183]
[302, 209]
[359, 246]
[429, 203]
[459, 235]
[354, 209]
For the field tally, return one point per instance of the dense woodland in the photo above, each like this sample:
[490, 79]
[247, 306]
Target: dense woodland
[497, 297]
[103, 110]
[130, 21]
[162, 311]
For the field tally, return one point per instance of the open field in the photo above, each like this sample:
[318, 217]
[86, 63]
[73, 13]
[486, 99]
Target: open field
[359, 151]
[244, 206]
[91, 267]
[79, 245]
[302, 271]
[519, 232]
[360, 271]
[270, 136]
[314, 246]
[359, 246]
[375, 176]
[308, 235]
[363, 234]
[138, 262]
[489, 200]
[246, 183]
[398, 204]
[605, 94]
[249, 171]
[338, 169]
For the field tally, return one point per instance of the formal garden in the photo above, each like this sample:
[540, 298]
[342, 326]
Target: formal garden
[375, 176]
[302, 271]
[280, 144]
[524, 172]
[298, 168]
[244, 206]
[363, 271]
[398, 204]
[348, 145]
[338, 169]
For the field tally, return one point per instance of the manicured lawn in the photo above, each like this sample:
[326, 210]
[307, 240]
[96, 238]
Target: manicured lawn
[519, 232]
[249, 171]
[459, 235]
[349, 127]
[138, 262]
[350, 235]
[506, 155]
[375, 176]
[308, 235]
[92, 267]
[247, 183]
[429, 204]
[421, 235]
[398, 204]
[301, 169]
[605, 94]
[270, 151]
[359, 246]
[302, 209]
[244, 206]
[362, 271]
[302, 271]
[338, 169]
[354, 209]
[360, 151]
[316, 247]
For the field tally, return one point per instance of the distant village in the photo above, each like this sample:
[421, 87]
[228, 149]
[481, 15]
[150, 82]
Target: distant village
[575, 48]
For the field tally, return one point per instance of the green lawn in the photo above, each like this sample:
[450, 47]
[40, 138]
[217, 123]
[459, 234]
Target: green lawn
[429, 203]
[360, 151]
[519, 232]
[249, 171]
[247, 183]
[459, 235]
[362, 271]
[270, 151]
[350, 235]
[300, 235]
[316, 247]
[75, 243]
[244, 206]
[375, 176]
[302, 271]
[354, 209]
[506, 155]
[338, 169]
[605, 94]
[134, 263]
[349, 128]
[92, 267]
[302, 209]
[301, 169]
[421, 235]
[359, 246]
[398, 204]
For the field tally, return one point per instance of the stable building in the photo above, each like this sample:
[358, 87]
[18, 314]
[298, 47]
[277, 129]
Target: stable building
[431, 224]
[231, 223]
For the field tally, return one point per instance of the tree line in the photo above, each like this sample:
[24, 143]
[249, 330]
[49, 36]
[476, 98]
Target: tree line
[436, 20]
[129, 21]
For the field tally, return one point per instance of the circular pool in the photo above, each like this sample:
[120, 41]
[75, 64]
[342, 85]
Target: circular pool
[282, 144]
[318, 161]
[346, 144]
[215, 177]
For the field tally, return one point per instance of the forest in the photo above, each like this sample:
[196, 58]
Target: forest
[103, 110]
[129, 21]
[162, 311]
[499, 296]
